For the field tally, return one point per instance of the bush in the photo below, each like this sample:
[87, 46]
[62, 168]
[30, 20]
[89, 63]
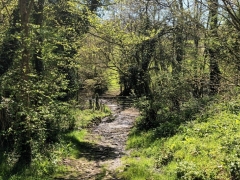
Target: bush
[189, 171]
[164, 158]
[233, 164]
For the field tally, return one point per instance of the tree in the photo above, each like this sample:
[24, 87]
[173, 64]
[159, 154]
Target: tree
[10, 44]
[215, 74]
[229, 37]
[25, 8]
[38, 21]
[36, 80]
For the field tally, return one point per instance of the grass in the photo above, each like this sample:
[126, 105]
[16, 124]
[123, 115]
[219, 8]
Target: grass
[85, 117]
[41, 168]
[204, 148]
[46, 167]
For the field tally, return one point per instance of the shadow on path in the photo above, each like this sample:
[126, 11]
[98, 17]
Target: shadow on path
[93, 151]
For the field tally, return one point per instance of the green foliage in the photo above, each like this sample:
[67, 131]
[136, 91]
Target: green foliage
[46, 163]
[42, 167]
[207, 147]
[85, 118]
[160, 55]
[135, 170]
[186, 170]
[71, 141]
[170, 101]
[164, 158]
[113, 82]
[40, 77]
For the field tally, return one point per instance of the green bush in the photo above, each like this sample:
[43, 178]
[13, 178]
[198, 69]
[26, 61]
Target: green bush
[164, 158]
[189, 171]
[233, 164]
[203, 147]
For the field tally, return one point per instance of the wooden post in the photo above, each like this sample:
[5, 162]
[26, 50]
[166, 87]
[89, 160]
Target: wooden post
[97, 101]
[90, 104]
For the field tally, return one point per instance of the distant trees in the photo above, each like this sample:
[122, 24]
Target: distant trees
[171, 52]
[229, 38]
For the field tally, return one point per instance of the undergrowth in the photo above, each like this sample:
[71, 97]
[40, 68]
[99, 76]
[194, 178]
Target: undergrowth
[205, 146]
[87, 117]
[48, 166]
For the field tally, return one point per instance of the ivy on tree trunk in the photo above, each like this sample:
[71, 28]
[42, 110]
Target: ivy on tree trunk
[25, 7]
[215, 74]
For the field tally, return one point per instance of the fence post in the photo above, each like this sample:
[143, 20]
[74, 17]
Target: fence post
[97, 101]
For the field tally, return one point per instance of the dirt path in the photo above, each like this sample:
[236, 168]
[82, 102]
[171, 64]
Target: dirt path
[104, 147]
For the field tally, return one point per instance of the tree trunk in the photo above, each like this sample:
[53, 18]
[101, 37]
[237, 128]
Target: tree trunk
[179, 40]
[38, 20]
[197, 83]
[213, 49]
[25, 7]
[179, 54]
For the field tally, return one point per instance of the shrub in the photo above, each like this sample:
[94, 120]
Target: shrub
[188, 170]
[164, 158]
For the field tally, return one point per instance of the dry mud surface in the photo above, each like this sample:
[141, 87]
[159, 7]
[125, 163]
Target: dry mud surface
[104, 146]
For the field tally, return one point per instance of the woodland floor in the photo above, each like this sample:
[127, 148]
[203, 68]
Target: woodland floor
[103, 147]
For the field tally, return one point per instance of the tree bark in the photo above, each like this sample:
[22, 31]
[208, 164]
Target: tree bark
[38, 20]
[178, 43]
[177, 63]
[215, 74]
[25, 7]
